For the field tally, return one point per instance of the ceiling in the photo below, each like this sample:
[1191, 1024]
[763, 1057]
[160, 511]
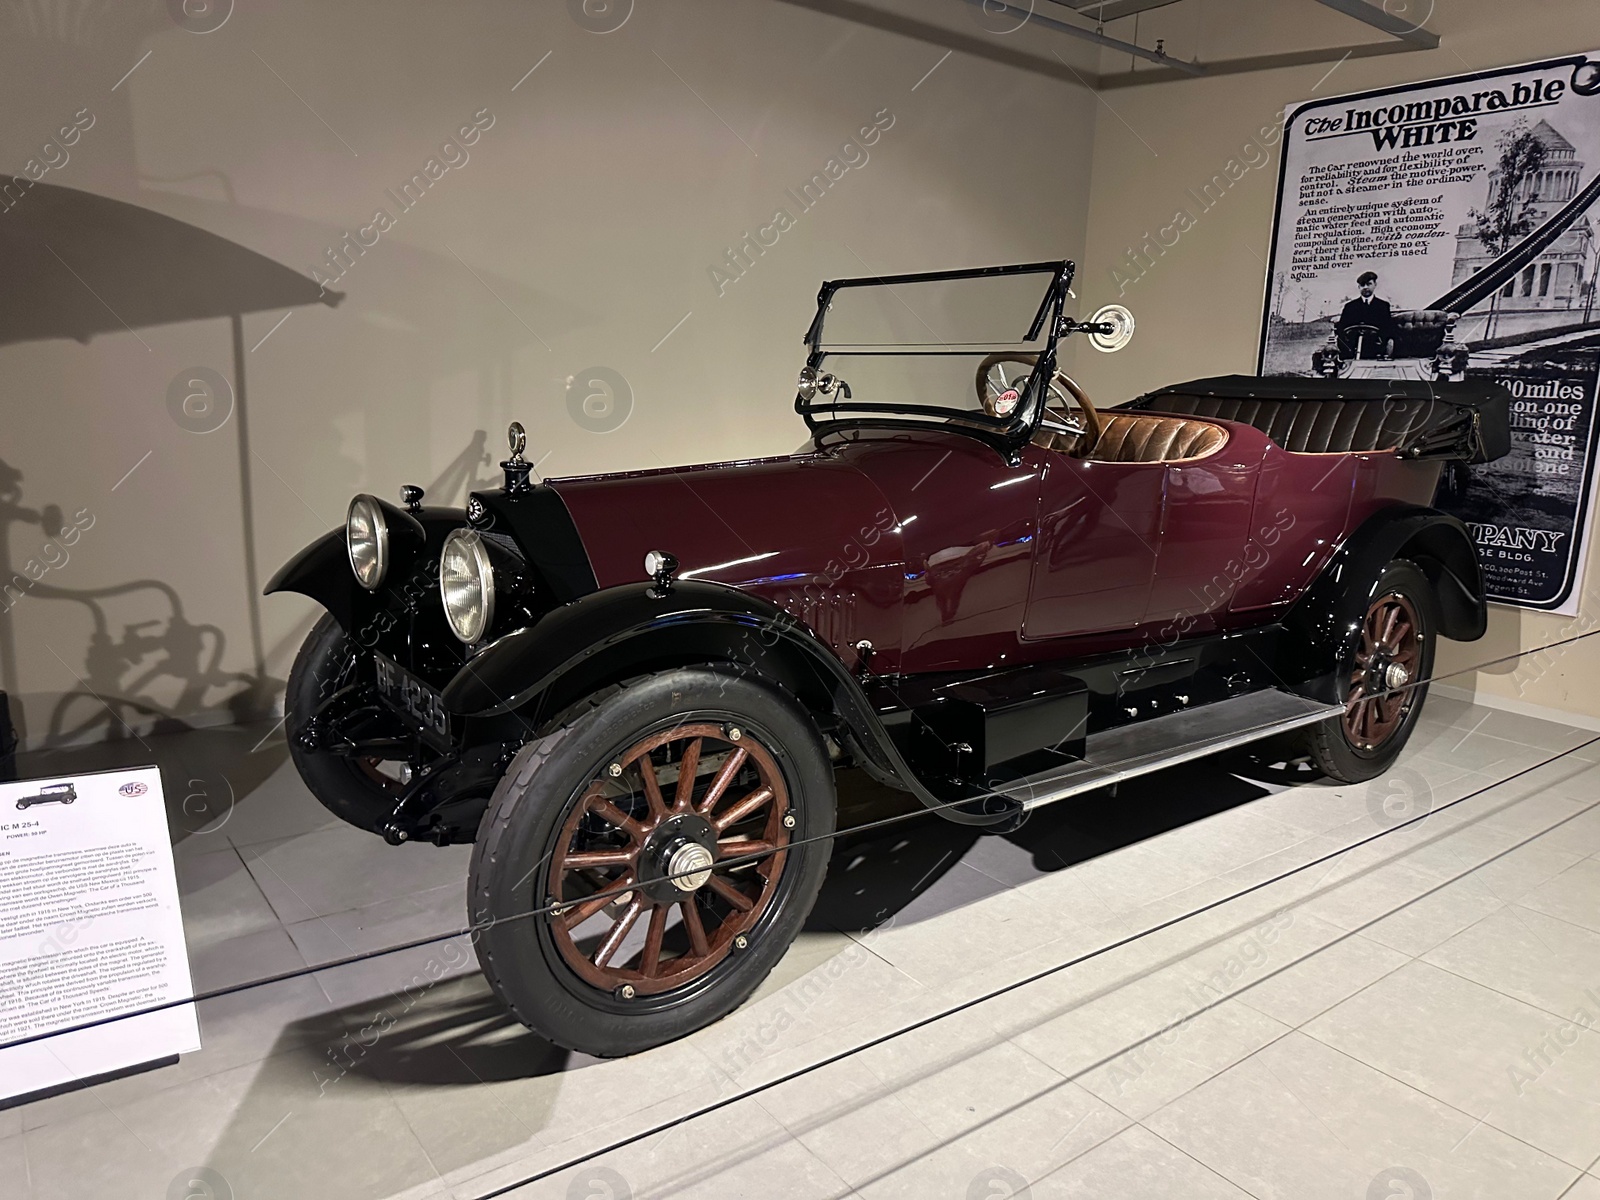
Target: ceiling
[1105, 44]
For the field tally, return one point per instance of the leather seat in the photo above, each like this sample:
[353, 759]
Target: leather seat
[1137, 438]
[1418, 333]
[1314, 426]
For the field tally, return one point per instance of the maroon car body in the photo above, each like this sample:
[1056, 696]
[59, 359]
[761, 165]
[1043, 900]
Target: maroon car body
[876, 536]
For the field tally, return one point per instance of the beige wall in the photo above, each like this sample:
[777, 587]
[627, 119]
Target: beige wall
[579, 233]
[1199, 305]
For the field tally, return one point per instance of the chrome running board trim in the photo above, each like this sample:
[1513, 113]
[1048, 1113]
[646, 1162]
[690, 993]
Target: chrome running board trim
[1144, 746]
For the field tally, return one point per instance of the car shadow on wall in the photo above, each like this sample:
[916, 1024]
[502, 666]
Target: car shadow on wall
[147, 665]
[148, 671]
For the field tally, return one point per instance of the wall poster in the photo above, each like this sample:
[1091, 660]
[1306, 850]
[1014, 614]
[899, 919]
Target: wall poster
[1444, 230]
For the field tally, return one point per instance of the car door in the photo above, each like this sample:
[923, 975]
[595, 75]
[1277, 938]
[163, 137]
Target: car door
[1099, 537]
[966, 520]
[1207, 550]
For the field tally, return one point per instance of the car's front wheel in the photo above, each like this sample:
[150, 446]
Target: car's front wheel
[672, 826]
[1383, 679]
[355, 789]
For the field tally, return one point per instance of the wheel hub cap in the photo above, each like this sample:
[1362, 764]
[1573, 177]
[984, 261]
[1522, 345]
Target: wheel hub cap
[689, 866]
[1396, 676]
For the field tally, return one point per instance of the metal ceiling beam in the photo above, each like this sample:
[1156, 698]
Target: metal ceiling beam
[1371, 14]
[1169, 69]
[1259, 62]
[1029, 17]
[999, 50]
[1112, 10]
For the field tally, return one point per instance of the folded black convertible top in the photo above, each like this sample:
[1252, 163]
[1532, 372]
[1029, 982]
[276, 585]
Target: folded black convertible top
[1418, 418]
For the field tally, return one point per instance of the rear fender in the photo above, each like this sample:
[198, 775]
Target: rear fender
[632, 629]
[1326, 621]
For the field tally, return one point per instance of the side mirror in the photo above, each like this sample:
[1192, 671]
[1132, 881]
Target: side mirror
[1114, 329]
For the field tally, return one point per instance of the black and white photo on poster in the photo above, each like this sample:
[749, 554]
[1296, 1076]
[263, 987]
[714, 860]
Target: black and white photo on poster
[1446, 230]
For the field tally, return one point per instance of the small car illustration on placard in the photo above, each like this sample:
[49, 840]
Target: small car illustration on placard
[54, 793]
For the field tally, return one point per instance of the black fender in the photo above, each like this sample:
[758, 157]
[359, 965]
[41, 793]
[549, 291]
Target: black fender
[634, 629]
[322, 572]
[1324, 622]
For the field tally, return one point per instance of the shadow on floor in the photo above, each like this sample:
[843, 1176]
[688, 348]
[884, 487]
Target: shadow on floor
[876, 873]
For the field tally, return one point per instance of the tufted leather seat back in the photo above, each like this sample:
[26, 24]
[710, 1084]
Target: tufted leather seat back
[1418, 333]
[1130, 437]
[1314, 426]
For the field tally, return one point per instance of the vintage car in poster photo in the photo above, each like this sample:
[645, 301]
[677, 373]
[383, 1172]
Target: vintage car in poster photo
[631, 691]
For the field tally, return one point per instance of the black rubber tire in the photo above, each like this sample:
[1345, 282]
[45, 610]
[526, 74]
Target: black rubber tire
[321, 666]
[1326, 742]
[516, 838]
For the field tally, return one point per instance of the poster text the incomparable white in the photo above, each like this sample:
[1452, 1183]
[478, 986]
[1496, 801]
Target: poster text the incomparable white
[1444, 231]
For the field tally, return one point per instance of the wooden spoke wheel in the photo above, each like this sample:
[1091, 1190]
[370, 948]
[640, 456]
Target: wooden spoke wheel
[1386, 661]
[644, 864]
[646, 902]
[1382, 670]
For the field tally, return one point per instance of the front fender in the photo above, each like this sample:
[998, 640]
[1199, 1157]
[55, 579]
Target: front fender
[631, 630]
[1327, 619]
[693, 619]
[322, 571]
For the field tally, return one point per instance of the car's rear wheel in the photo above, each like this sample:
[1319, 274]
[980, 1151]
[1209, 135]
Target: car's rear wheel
[1378, 679]
[671, 826]
[358, 790]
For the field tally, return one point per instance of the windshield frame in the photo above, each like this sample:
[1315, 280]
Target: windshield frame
[832, 412]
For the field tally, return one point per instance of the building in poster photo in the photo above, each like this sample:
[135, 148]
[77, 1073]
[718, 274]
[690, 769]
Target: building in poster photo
[1442, 230]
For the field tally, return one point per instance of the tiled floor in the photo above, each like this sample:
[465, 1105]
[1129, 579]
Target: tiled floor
[1135, 995]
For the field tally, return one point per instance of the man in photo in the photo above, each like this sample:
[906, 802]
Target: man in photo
[1366, 326]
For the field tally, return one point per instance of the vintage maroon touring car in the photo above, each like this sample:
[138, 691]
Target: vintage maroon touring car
[970, 582]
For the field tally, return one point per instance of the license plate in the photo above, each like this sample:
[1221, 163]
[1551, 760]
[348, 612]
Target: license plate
[412, 698]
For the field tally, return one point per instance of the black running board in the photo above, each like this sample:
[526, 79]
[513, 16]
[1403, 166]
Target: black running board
[1131, 750]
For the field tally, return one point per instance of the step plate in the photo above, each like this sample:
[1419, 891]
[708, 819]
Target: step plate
[1145, 746]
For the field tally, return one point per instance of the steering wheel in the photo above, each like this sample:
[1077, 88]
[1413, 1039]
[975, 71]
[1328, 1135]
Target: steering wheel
[1353, 339]
[1000, 396]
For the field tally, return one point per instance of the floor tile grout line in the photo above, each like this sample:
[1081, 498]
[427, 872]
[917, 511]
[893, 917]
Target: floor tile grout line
[1489, 987]
[1435, 839]
[1078, 1074]
[1300, 1028]
[795, 1137]
[1550, 1154]
[1200, 1162]
[315, 976]
[1553, 917]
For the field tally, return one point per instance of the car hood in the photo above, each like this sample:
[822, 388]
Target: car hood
[776, 526]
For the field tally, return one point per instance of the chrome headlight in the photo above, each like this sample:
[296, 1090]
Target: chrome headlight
[466, 585]
[366, 538]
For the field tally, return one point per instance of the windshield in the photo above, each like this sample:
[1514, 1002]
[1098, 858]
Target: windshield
[928, 314]
[963, 349]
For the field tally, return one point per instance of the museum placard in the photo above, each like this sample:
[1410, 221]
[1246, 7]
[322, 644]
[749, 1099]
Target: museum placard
[90, 929]
[1440, 231]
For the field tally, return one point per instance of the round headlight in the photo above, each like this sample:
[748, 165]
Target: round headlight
[466, 585]
[366, 538]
